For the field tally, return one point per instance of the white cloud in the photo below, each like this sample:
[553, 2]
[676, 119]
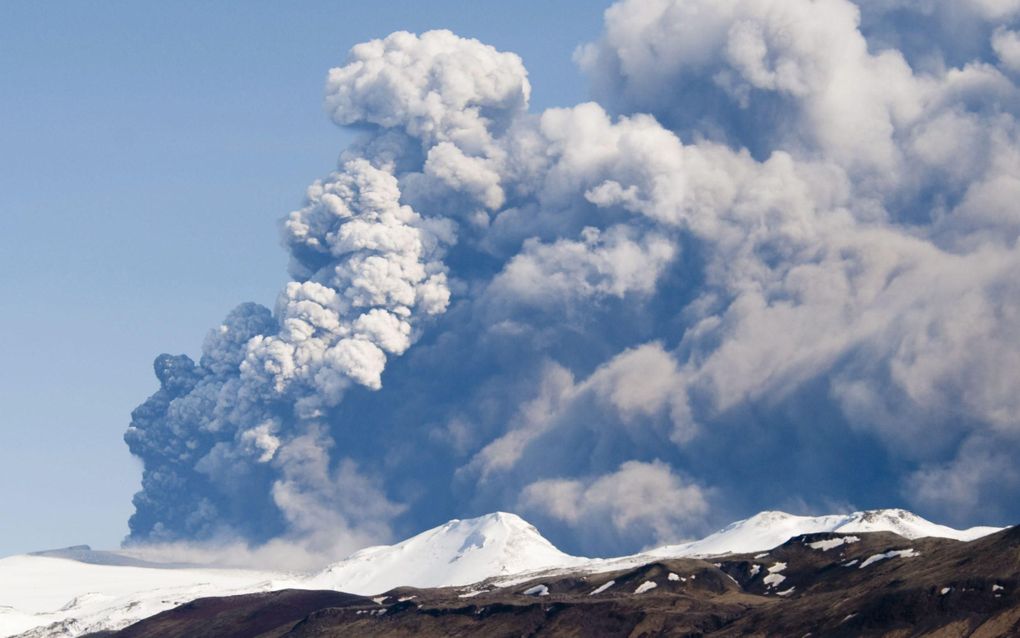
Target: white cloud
[976, 483]
[461, 172]
[437, 87]
[775, 212]
[1006, 44]
[368, 262]
[331, 511]
[263, 440]
[534, 418]
[638, 498]
[636, 386]
[609, 263]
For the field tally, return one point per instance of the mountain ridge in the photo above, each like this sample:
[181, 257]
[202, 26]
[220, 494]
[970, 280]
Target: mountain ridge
[777, 527]
[866, 584]
[500, 547]
[459, 552]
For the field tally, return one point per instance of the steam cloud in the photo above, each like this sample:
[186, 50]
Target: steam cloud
[775, 265]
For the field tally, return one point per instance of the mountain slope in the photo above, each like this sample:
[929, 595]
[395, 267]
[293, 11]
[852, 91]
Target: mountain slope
[769, 529]
[825, 584]
[77, 590]
[69, 597]
[457, 553]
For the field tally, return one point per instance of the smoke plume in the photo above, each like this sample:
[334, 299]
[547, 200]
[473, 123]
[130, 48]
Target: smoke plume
[774, 265]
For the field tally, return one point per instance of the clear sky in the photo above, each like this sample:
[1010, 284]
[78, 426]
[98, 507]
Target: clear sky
[148, 150]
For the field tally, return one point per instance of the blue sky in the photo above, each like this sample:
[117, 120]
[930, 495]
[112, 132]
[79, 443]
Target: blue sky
[149, 152]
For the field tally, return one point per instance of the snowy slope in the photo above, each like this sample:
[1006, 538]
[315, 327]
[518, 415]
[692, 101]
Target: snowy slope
[68, 597]
[769, 529]
[71, 592]
[77, 591]
[457, 553]
[908, 525]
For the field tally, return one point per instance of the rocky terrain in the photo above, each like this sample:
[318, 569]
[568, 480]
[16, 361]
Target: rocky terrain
[819, 584]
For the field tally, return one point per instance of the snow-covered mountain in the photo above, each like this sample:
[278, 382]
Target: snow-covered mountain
[457, 553]
[768, 529]
[77, 591]
[56, 595]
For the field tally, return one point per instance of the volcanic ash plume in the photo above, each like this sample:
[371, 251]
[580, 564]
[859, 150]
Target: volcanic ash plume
[235, 445]
[773, 267]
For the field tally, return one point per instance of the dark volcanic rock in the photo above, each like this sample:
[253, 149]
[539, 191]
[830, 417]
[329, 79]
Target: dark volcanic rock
[264, 615]
[877, 584]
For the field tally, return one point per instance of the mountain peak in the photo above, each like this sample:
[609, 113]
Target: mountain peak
[465, 551]
[494, 519]
[768, 517]
[906, 524]
[458, 552]
[769, 529]
[106, 590]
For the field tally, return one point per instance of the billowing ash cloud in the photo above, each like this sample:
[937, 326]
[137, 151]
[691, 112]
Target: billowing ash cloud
[773, 266]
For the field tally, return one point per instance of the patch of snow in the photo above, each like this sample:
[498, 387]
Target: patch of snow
[902, 553]
[997, 587]
[785, 592]
[404, 599]
[648, 585]
[774, 577]
[774, 580]
[945, 590]
[473, 593]
[603, 587]
[832, 543]
[851, 563]
[848, 617]
[673, 577]
[378, 600]
[755, 569]
[537, 590]
[761, 555]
